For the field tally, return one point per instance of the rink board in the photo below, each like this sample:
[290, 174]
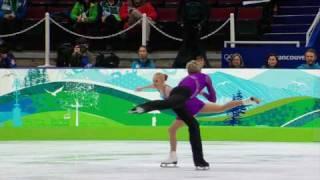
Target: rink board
[94, 104]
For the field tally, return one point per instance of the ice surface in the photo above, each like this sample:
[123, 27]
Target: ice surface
[140, 160]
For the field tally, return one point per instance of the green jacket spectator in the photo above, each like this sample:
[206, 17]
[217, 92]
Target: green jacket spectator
[84, 11]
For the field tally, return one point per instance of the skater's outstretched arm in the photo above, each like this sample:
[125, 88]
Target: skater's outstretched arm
[151, 86]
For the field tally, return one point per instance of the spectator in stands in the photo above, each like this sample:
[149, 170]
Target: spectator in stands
[7, 59]
[202, 59]
[107, 60]
[81, 56]
[193, 16]
[64, 54]
[272, 61]
[310, 57]
[143, 61]
[12, 13]
[236, 61]
[110, 17]
[132, 10]
[84, 14]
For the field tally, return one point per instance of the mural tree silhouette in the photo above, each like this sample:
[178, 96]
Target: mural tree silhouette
[35, 77]
[79, 95]
[235, 113]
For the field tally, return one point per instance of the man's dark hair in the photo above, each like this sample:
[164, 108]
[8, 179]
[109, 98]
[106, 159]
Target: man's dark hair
[142, 46]
[311, 50]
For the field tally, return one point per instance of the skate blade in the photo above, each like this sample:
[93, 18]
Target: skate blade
[132, 112]
[137, 110]
[198, 168]
[169, 165]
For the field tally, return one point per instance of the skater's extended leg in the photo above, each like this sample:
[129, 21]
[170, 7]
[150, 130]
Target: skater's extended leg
[176, 99]
[216, 108]
[172, 102]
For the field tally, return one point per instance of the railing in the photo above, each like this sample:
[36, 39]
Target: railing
[233, 42]
[144, 21]
[312, 27]
[297, 43]
[245, 3]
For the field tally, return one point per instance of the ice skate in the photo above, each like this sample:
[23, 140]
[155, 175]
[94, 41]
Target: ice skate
[202, 165]
[251, 101]
[171, 161]
[136, 110]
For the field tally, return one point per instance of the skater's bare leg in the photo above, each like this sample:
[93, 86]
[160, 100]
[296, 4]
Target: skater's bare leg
[216, 108]
[173, 134]
[172, 158]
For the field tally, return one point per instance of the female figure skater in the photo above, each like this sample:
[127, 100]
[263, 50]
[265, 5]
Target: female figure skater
[180, 96]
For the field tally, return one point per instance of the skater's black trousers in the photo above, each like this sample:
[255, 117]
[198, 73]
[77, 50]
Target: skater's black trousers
[176, 101]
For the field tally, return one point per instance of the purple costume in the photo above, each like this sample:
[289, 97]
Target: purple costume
[196, 82]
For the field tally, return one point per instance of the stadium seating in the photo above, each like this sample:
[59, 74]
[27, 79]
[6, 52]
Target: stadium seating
[35, 13]
[167, 14]
[171, 2]
[247, 17]
[249, 13]
[220, 14]
[292, 20]
[229, 2]
[248, 20]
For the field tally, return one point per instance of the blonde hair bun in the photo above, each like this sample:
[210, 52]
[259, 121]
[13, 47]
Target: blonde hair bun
[193, 67]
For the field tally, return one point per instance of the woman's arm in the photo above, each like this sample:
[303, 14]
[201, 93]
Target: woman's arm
[151, 12]
[123, 12]
[22, 10]
[93, 12]
[75, 12]
[151, 86]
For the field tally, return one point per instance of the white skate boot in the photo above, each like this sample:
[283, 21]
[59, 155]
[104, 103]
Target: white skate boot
[203, 165]
[251, 101]
[171, 161]
[136, 110]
